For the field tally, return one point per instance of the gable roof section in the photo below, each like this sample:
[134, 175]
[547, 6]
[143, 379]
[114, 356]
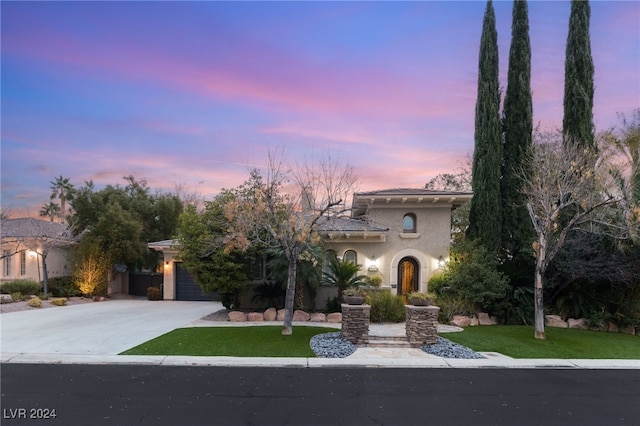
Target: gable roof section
[30, 228]
[415, 196]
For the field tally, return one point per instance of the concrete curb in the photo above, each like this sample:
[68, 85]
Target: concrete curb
[369, 362]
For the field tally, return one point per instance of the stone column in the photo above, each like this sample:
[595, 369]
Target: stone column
[355, 323]
[422, 325]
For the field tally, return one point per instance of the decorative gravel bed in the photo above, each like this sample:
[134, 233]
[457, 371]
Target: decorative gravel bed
[331, 345]
[447, 349]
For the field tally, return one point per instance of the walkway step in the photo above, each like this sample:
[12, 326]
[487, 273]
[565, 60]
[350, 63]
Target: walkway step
[374, 343]
[389, 338]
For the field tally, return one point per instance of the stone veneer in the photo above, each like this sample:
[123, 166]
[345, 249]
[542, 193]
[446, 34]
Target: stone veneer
[422, 325]
[355, 323]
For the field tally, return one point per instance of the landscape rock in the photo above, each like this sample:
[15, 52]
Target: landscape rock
[302, 316]
[461, 321]
[5, 298]
[613, 327]
[484, 319]
[494, 320]
[270, 314]
[628, 330]
[555, 321]
[580, 323]
[474, 321]
[255, 316]
[335, 317]
[318, 317]
[237, 316]
[280, 316]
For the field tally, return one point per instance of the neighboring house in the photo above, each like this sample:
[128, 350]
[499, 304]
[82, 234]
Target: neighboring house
[401, 234]
[26, 241]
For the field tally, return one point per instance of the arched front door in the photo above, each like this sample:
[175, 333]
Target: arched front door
[408, 271]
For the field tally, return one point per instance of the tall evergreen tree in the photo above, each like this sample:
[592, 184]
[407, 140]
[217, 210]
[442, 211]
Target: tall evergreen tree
[517, 231]
[577, 123]
[485, 218]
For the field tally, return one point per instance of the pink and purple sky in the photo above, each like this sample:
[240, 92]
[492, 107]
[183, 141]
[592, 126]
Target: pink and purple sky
[195, 93]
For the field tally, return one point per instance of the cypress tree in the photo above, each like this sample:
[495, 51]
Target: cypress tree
[577, 123]
[517, 230]
[484, 217]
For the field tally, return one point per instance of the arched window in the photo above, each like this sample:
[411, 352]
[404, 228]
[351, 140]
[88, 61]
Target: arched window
[329, 256]
[409, 223]
[350, 256]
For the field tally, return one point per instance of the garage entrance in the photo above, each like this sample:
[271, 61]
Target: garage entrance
[186, 287]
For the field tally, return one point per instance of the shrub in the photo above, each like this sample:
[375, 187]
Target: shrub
[332, 305]
[386, 307]
[472, 274]
[63, 287]
[21, 286]
[154, 293]
[59, 301]
[35, 302]
[270, 293]
[450, 305]
[374, 280]
[17, 296]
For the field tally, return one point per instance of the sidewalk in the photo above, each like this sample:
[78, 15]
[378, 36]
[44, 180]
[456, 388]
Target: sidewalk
[96, 333]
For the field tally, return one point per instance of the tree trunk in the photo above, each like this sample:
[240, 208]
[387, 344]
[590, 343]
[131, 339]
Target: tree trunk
[290, 296]
[538, 289]
[45, 277]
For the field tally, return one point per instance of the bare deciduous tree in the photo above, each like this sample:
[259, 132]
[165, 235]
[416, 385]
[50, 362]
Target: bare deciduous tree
[281, 207]
[567, 191]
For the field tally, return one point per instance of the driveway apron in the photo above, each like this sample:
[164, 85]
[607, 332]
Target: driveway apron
[97, 328]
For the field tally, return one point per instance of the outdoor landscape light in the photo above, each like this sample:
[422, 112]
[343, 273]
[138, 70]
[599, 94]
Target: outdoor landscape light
[440, 262]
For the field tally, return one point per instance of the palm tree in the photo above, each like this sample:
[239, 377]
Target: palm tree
[343, 274]
[62, 189]
[50, 210]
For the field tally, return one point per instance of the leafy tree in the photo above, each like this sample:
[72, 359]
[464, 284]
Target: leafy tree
[485, 215]
[517, 232]
[577, 123]
[281, 208]
[203, 254]
[567, 190]
[123, 219]
[458, 181]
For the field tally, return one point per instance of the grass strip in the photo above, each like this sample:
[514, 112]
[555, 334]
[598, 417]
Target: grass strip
[256, 341]
[517, 341]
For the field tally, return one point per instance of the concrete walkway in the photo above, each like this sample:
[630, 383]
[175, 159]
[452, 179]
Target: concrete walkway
[95, 333]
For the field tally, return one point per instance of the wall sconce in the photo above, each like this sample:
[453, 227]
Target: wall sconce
[32, 254]
[373, 267]
[166, 265]
[441, 262]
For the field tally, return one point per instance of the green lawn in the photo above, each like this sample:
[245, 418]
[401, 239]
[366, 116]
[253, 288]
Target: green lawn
[518, 342]
[260, 341]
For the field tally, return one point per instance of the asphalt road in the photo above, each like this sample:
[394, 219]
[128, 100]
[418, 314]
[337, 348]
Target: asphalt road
[157, 395]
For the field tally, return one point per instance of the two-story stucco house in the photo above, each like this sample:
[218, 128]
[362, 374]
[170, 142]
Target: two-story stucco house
[401, 234]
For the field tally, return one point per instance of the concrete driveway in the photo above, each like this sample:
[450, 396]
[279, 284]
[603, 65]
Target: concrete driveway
[99, 328]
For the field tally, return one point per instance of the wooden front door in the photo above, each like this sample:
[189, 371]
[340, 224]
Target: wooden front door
[407, 276]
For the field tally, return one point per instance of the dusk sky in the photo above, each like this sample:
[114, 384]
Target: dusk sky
[195, 93]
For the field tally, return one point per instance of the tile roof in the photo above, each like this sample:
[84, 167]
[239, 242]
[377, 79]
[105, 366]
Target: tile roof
[341, 224]
[30, 227]
[408, 192]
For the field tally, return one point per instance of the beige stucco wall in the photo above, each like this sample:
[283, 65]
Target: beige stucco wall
[57, 265]
[426, 246]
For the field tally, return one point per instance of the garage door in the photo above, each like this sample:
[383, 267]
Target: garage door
[186, 288]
